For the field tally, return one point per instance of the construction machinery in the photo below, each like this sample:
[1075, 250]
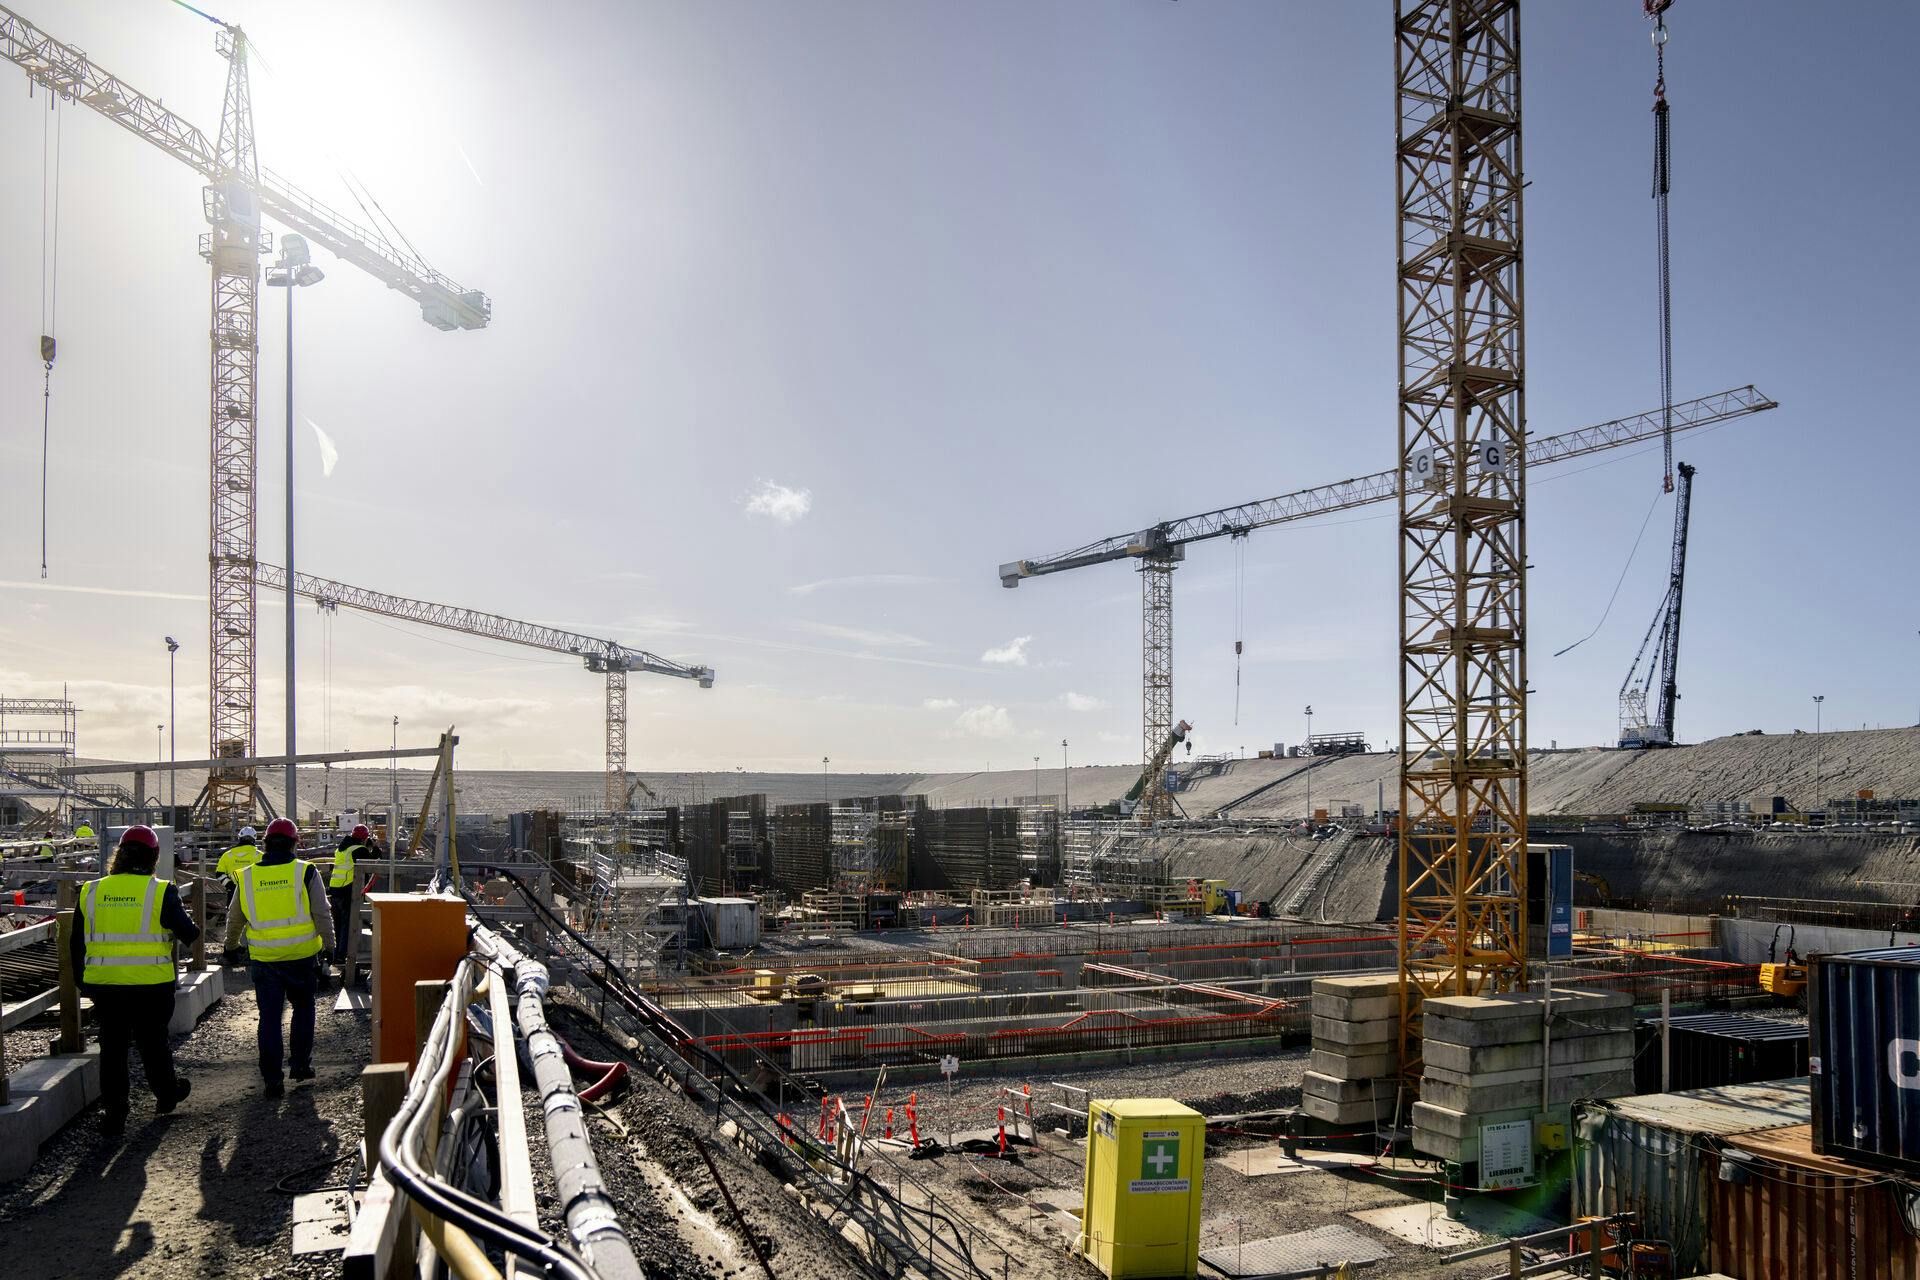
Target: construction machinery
[1637, 728]
[1161, 547]
[607, 657]
[1155, 772]
[238, 194]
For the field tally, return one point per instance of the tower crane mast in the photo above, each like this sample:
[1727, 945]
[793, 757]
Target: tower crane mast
[238, 193]
[607, 657]
[1161, 547]
[1637, 728]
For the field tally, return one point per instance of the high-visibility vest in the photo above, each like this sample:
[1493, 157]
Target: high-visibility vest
[83, 832]
[279, 918]
[126, 945]
[343, 867]
[241, 855]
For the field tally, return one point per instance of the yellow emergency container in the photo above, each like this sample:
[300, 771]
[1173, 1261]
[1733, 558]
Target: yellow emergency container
[1142, 1212]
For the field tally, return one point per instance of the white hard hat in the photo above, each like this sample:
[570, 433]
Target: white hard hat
[248, 833]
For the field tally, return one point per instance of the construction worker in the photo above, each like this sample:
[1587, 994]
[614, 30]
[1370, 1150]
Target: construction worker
[340, 887]
[83, 832]
[122, 948]
[243, 854]
[280, 907]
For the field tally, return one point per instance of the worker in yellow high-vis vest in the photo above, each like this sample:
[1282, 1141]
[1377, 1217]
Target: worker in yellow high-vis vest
[340, 887]
[122, 948]
[280, 908]
[243, 854]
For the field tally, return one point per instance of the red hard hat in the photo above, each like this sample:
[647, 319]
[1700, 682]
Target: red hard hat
[283, 827]
[142, 836]
[361, 833]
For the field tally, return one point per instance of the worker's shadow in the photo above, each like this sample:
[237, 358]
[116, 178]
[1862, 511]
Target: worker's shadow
[122, 1241]
[270, 1141]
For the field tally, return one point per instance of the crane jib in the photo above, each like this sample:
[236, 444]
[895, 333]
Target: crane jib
[1168, 540]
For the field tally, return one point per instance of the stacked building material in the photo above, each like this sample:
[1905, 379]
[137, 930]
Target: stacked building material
[1353, 1076]
[1483, 1059]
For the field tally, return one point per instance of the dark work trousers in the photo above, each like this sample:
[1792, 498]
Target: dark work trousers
[133, 1017]
[341, 900]
[276, 984]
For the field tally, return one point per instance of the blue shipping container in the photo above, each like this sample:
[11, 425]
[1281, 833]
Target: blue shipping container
[1864, 1016]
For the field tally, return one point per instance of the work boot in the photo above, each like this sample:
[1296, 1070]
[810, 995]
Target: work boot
[182, 1087]
[113, 1125]
[273, 1087]
[302, 1073]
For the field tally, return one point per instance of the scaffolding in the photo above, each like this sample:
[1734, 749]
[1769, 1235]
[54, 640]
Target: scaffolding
[1104, 855]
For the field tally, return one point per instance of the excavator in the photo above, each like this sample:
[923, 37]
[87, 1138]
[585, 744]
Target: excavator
[1156, 766]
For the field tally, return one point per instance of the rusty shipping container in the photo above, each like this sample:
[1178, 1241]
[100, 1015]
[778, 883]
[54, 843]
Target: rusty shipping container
[1864, 1015]
[1654, 1156]
[1782, 1212]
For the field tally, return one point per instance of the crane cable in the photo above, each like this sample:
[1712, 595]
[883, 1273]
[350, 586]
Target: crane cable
[50, 128]
[1662, 175]
[1239, 617]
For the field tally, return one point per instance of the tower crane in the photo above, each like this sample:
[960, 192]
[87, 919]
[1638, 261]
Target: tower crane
[1161, 547]
[606, 657]
[237, 195]
[1636, 728]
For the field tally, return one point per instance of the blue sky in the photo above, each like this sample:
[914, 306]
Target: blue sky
[980, 281]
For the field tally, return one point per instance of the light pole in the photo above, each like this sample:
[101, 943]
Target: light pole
[1818, 698]
[1309, 769]
[295, 269]
[173, 775]
[823, 782]
[1065, 808]
[1036, 782]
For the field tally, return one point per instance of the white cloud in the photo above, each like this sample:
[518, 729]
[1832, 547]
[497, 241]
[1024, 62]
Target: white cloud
[1011, 654]
[1082, 701]
[858, 635]
[861, 580]
[985, 722]
[939, 704]
[778, 502]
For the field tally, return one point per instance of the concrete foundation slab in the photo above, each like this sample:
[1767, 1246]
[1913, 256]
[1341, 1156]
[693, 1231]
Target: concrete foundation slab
[1481, 1221]
[1477, 1033]
[1561, 1089]
[1364, 1113]
[1524, 1004]
[1342, 1064]
[320, 1222]
[45, 1094]
[1372, 1032]
[1447, 1122]
[1483, 1059]
[1315, 1085]
[197, 993]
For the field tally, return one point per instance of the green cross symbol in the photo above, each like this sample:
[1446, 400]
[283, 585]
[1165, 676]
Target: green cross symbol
[1160, 1158]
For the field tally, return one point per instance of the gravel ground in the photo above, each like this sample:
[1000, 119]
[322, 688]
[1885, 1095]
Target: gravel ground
[193, 1193]
[34, 1040]
[672, 1207]
[1215, 1086]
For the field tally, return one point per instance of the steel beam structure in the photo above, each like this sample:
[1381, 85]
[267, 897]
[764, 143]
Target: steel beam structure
[1156, 685]
[607, 657]
[237, 194]
[1462, 436]
[233, 248]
